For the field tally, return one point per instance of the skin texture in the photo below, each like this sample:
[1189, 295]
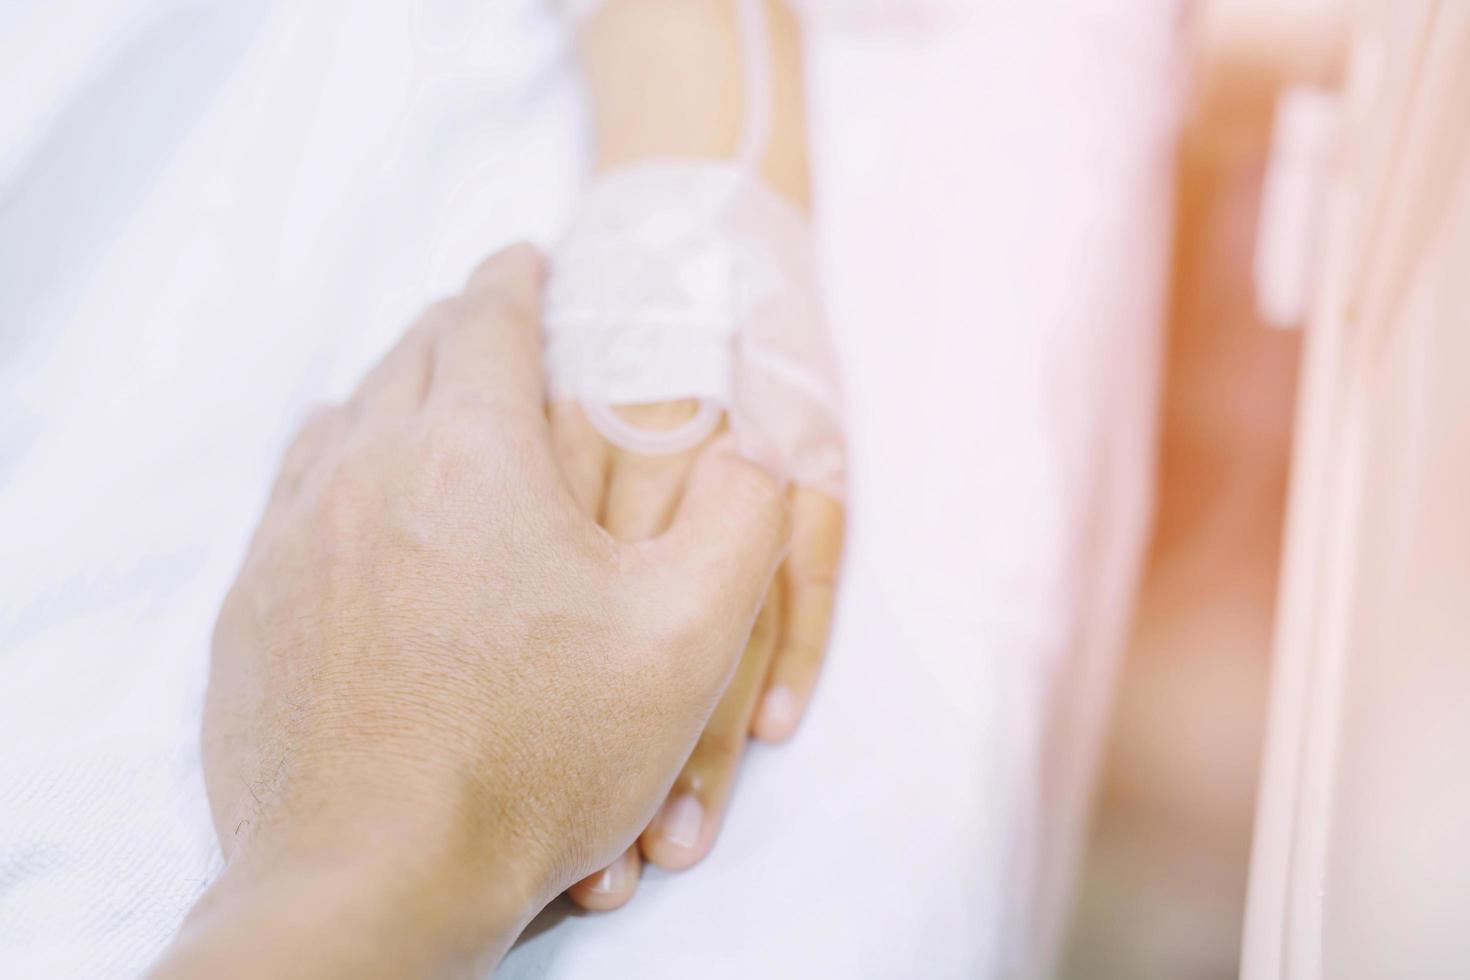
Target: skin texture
[664, 80]
[440, 693]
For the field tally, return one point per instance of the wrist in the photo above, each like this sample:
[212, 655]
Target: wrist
[666, 81]
[363, 891]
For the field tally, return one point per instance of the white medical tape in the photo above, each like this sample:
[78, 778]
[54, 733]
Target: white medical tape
[690, 279]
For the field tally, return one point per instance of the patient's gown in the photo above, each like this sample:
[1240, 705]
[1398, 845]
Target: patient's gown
[214, 215]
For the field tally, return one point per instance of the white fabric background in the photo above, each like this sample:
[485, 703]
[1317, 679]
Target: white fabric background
[214, 215]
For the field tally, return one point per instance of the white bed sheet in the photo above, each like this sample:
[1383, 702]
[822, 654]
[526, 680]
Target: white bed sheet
[214, 215]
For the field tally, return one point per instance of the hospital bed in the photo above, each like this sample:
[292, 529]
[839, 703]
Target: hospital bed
[216, 215]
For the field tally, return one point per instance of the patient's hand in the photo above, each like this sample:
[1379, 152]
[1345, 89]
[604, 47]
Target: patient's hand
[440, 694]
[635, 497]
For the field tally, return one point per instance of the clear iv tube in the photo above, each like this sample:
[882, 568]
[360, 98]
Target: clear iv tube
[755, 63]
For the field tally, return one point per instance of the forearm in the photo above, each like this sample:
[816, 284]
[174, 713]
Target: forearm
[665, 79]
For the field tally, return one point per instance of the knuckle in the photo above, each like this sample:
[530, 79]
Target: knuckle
[448, 455]
[452, 432]
[358, 473]
[457, 414]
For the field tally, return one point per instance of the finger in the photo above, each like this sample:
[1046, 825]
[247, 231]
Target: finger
[642, 491]
[612, 887]
[729, 532]
[641, 496]
[685, 827]
[399, 382]
[489, 358]
[809, 586]
[582, 453]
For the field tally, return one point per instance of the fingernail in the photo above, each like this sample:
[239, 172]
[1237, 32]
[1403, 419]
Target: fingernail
[778, 709]
[680, 820]
[613, 877]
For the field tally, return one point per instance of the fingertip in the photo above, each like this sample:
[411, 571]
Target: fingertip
[809, 578]
[612, 887]
[680, 835]
[779, 714]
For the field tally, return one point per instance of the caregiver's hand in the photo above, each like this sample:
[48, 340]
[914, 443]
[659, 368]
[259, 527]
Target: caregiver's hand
[636, 497]
[440, 693]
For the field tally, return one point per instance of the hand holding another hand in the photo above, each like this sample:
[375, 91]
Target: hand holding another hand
[440, 693]
[636, 497]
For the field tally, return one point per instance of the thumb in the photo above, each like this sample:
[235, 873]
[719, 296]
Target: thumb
[731, 530]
